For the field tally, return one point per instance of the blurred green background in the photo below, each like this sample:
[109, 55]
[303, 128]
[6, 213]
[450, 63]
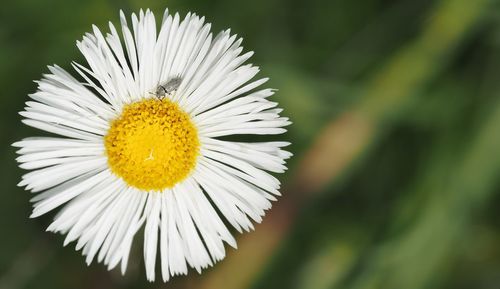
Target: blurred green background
[396, 136]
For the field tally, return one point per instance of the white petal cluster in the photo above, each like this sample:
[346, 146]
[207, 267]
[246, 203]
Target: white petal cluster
[231, 180]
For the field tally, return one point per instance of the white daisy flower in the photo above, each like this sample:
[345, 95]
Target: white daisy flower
[137, 141]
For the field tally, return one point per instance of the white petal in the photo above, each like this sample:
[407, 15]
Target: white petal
[151, 236]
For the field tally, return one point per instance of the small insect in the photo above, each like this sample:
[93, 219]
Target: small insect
[168, 88]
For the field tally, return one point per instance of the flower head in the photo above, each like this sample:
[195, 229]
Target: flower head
[137, 143]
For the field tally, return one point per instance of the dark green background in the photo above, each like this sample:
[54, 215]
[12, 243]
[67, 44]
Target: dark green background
[413, 87]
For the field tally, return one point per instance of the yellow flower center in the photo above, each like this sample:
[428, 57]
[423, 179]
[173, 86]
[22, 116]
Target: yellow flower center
[152, 145]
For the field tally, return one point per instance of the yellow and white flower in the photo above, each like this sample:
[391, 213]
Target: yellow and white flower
[138, 142]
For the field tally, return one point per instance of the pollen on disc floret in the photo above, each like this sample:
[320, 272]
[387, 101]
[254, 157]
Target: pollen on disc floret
[152, 145]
